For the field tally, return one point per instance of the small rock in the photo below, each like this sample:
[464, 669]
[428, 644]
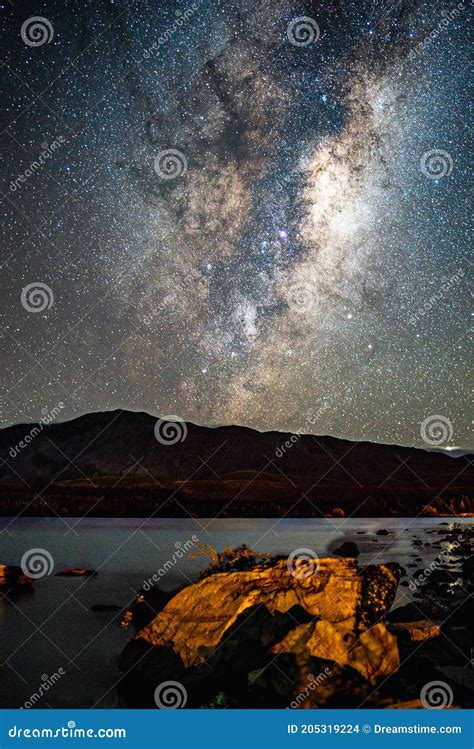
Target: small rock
[382, 532]
[468, 570]
[77, 572]
[347, 549]
[105, 607]
[416, 631]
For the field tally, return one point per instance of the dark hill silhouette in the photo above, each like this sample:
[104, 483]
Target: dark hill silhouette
[117, 454]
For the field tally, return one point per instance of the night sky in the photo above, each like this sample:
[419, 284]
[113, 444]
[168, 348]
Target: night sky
[299, 261]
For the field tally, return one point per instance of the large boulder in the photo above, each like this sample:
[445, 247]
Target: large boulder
[217, 636]
[196, 619]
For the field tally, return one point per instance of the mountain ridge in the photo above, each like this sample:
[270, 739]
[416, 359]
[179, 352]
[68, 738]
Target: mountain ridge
[144, 460]
[451, 451]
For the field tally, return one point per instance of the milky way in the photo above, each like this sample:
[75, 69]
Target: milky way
[252, 213]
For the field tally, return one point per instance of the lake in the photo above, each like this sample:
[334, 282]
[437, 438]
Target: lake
[52, 631]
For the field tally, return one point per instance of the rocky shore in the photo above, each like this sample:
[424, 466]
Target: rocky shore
[261, 630]
[259, 633]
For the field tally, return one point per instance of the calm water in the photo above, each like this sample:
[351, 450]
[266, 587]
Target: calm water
[54, 628]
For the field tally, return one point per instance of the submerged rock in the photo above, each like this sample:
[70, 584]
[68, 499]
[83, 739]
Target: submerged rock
[77, 572]
[105, 607]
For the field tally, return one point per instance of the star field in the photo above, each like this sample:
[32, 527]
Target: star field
[299, 262]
